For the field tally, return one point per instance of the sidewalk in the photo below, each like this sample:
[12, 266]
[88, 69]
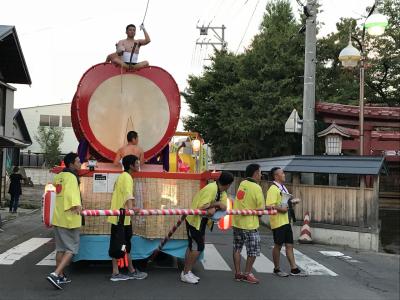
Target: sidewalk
[6, 216]
[29, 202]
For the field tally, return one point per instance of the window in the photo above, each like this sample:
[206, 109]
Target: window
[44, 120]
[66, 121]
[49, 120]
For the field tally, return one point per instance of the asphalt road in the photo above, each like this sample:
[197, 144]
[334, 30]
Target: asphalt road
[360, 275]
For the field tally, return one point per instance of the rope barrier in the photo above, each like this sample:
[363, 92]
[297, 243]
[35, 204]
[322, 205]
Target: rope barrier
[175, 211]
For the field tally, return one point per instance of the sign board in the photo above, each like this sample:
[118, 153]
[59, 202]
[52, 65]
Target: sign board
[112, 177]
[294, 123]
[100, 182]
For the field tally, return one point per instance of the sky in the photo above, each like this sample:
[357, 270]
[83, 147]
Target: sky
[60, 40]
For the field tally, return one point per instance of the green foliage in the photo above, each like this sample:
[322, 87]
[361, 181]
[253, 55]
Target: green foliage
[50, 139]
[382, 67]
[241, 103]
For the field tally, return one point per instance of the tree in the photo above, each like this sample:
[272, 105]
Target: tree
[50, 139]
[334, 84]
[241, 102]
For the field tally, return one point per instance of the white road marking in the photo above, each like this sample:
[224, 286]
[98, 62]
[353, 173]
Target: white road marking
[339, 255]
[262, 263]
[49, 260]
[213, 260]
[310, 266]
[331, 253]
[16, 253]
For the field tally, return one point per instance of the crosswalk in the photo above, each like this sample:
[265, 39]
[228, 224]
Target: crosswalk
[213, 259]
[18, 252]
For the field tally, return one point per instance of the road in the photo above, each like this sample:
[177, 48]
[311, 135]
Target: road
[351, 275]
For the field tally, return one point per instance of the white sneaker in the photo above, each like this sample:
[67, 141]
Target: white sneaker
[188, 279]
[194, 276]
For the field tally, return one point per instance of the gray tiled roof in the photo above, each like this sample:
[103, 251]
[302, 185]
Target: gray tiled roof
[357, 165]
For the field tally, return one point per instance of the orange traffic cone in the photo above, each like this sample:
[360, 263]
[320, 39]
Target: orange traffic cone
[225, 223]
[305, 234]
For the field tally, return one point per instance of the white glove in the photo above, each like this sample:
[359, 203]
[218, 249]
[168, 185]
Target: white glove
[142, 27]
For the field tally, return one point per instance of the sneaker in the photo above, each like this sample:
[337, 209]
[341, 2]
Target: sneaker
[188, 279]
[280, 273]
[194, 276]
[137, 275]
[298, 272]
[239, 276]
[250, 278]
[64, 279]
[119, 277]
[54, 280]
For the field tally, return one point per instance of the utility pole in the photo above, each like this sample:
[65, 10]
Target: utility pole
[219, 38]
[310, 10]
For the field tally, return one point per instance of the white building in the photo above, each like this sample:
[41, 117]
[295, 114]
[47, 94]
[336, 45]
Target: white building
[50, 115]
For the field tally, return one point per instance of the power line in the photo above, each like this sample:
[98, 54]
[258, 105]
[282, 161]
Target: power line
[247, 27]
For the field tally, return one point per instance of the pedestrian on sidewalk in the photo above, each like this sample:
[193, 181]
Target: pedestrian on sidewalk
[123, 197]
[245, 228]
[66, 218]
[15, 189]
[212, 197]
[280, 225]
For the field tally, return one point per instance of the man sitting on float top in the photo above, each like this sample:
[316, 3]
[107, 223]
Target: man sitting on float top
[132, 148]
[127, 53]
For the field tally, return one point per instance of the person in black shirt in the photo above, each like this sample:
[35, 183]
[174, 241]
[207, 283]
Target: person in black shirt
[15, 189]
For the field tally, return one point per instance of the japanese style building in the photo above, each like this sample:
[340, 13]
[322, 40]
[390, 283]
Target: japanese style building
[381, 138]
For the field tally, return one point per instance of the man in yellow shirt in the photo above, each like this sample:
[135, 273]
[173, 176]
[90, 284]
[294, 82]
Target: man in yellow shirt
[122, 197]
[281, 228]
[245, 228]
[66, 218]
[212, 197]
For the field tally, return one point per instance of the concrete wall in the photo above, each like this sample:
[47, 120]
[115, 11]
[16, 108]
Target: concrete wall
[39, 176]
[32, 119]
[352, 239]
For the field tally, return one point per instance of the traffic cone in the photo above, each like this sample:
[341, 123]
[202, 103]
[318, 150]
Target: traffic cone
[225, 223]
[305, 233]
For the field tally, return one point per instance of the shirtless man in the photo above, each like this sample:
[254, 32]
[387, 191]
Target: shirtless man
[123, 56]
[131, 148]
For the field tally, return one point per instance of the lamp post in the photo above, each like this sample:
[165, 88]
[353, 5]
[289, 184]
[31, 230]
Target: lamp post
[375, 24]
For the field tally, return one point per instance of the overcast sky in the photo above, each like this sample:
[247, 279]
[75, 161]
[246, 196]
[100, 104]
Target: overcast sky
[62, 39]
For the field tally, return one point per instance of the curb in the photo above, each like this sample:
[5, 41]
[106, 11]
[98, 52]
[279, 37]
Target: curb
[11, 219]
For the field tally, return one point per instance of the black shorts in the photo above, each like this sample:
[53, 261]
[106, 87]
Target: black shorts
[283, 235]
[196, 237]
[128, 235]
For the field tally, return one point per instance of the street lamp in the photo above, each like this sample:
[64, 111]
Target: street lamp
[349, 56]
[375, 24]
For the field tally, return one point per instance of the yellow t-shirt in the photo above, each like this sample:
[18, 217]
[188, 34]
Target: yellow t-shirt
[274, 197]
[249, 196]
[204, 197]
[67, 196]
[123, 190]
